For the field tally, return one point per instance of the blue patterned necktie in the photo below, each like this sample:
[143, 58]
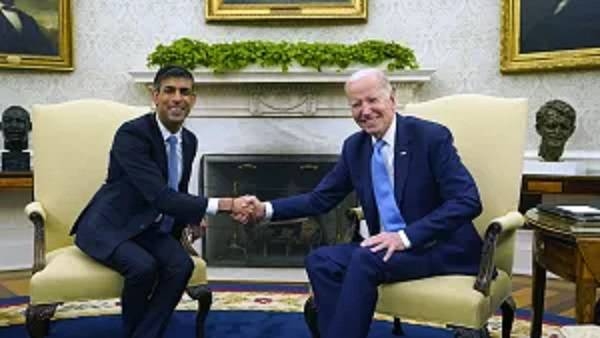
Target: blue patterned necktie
[173, 164]
[389, 214]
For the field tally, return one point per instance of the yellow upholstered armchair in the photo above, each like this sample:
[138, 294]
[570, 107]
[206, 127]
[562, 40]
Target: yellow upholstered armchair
[71, 142]
[489, 134]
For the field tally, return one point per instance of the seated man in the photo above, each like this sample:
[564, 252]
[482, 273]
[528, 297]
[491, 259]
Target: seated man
[129, 223]
[418, 200]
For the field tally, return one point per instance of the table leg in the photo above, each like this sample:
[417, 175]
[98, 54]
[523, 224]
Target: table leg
[585, 295]
[537, 297]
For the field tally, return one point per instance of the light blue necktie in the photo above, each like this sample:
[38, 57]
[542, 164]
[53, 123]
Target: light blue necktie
[167, 222]
[389, 214]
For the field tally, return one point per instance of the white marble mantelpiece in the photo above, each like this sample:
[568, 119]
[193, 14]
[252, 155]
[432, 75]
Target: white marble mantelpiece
[273, 93]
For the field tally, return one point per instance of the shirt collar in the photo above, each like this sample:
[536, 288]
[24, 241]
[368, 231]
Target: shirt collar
[165, 132]
[390, 135]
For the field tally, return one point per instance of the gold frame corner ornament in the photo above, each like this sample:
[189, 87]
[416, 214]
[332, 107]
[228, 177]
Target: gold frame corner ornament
[219, 10]
[63, 61]
[512, 60]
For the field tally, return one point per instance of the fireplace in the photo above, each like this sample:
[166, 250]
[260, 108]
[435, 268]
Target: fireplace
[270, 244]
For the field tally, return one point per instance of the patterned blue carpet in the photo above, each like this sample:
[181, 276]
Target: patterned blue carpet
[220, 324]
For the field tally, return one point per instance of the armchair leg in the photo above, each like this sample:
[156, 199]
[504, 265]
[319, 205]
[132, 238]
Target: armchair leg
[37, 319]
[397, 330]
[461, 332]
[310, 317]
[508, 315]
[203, 295]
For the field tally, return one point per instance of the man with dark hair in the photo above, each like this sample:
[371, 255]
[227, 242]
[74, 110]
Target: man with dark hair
[20, 33]
[132, 224]
[555, 123]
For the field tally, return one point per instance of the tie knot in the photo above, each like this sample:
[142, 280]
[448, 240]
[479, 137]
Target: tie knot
[379, 144]
[172, 140]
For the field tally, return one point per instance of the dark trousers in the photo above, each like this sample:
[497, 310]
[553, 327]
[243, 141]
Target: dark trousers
[344, 279]
[156, 269]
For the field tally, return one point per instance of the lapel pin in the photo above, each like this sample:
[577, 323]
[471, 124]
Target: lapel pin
[402, 153]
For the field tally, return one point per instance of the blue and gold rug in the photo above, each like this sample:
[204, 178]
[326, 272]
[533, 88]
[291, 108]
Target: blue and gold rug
[238, 310]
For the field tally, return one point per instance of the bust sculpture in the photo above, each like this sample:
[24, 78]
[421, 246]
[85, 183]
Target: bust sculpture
[555, 123]
[15, 127]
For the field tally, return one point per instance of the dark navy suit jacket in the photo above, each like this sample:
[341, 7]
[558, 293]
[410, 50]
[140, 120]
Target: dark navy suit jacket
[434, 191]
[136, 190]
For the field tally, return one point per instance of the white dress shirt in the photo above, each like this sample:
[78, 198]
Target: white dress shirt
[388, 154]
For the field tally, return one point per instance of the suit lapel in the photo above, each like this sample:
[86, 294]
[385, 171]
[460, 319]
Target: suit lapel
[188, 156]
[158, 143]
[366, 152]
[401, 158]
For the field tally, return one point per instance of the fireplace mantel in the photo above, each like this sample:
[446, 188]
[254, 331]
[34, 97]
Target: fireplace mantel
[273, 93]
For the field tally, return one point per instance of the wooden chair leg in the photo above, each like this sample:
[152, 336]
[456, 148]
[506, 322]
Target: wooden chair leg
[397, 330]
[508, 315]
[37, 319]
[310, 317]
[203, 295]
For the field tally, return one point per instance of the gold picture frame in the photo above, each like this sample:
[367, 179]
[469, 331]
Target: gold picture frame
[36, 35]
[236, 10]
[536, 36]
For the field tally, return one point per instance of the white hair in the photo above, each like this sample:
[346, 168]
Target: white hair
[384, 83]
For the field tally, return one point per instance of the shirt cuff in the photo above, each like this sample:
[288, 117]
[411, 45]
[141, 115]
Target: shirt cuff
[213, 206]
[268, 211]
[404, 239]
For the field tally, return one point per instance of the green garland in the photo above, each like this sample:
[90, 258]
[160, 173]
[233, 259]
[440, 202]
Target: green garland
[228, 57]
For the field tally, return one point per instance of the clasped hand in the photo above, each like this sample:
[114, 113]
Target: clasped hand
[247, 209]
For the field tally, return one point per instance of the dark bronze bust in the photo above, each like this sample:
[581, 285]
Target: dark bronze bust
[555, 123]
[15, 126]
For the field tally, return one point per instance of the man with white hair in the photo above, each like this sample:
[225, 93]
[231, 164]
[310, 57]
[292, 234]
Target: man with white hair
[418, 200]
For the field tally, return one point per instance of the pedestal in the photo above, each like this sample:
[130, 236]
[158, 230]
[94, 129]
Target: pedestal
[564, 168]
[15, 161]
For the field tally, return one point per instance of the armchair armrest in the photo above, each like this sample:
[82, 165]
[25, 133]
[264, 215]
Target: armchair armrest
[37, 215]
[186, 241]
[507, 223]
[354, 215]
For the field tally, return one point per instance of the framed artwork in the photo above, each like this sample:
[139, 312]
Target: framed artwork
[36, 35]
[541, 35]
[234, 10]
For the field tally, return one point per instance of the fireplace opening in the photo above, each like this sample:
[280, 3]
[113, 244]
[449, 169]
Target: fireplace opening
[269, 244]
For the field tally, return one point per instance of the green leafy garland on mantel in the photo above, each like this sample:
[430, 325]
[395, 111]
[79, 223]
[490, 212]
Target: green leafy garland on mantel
[234, 56]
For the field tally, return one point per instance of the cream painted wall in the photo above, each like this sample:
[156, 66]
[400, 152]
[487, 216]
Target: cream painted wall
[458, 38]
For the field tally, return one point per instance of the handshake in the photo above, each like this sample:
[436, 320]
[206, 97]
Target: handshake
[243, 209]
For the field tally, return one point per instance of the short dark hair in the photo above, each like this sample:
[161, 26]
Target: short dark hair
[171, 71]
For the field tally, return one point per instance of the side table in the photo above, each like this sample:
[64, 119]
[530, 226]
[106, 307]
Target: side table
[572, 257]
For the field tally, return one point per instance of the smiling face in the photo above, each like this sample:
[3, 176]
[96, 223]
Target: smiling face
[174, 99]
[372, 102]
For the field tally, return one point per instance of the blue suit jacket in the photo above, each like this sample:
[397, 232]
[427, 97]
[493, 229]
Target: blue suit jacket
[434, 191]
[136, 190]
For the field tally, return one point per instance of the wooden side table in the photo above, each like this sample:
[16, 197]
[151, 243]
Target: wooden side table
[533, 187]
[572, 257]
[16, 180]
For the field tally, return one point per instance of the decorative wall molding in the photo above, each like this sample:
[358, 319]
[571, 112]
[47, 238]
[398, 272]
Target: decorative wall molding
[273, 93]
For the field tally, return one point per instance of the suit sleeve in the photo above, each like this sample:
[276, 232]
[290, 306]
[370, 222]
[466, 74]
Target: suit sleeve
[330, 191]
[132, 150]
[460, 202]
